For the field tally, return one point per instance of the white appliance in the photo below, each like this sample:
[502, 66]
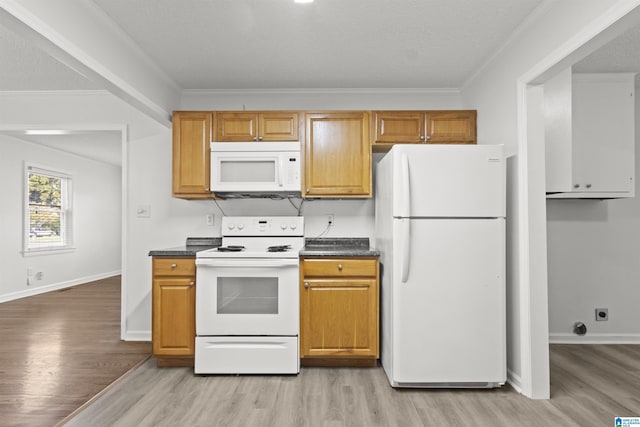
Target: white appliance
[440, 228]
[255, 169]
[247, 298]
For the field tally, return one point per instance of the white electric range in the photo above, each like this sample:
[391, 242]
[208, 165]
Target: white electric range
[247, 298]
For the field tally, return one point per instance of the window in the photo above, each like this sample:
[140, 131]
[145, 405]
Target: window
[48, 220]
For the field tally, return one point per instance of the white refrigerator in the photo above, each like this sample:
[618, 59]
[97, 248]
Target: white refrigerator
[440, 228]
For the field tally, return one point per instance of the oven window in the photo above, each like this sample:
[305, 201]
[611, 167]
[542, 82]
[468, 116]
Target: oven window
[247, 171]
[247, 295]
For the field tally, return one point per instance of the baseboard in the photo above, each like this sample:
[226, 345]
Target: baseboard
[137, 336]
[57, 286]
[514, 380]
[594, 339]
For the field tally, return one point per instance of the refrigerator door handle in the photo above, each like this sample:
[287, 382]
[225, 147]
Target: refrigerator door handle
[405, 187]
[405, 241]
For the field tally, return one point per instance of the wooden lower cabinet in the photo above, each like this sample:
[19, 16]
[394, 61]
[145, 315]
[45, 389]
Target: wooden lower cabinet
[173, 311]
[339, 303]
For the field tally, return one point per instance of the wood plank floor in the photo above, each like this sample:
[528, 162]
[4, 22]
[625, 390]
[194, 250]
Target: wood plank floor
[590, 385]
[59, 349]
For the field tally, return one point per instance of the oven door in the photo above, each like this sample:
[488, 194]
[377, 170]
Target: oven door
[240, 296]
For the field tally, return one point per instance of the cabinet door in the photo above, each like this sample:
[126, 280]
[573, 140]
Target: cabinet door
[400, 127]
[603, 133]
[191, 154]
[237, 127]
[278, 126]
[337, 155]
[451, 127]
[339, 318]
[174, 329]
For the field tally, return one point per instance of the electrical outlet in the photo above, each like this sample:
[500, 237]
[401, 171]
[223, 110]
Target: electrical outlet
[602, 314]
[330, 218]
[210, 218]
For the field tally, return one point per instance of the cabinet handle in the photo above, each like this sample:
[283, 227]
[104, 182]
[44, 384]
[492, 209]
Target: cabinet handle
[192, 283]
[259, 138]
[255, 139]
[308, 190]
[421, 137]
[306, 285]
[340, 267]
[588, 185]
[576, 185]
[428, 137]
[173, 266]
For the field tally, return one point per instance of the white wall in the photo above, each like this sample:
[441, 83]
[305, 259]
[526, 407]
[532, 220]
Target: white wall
[96, 223]
[593, 253]
[549, 36]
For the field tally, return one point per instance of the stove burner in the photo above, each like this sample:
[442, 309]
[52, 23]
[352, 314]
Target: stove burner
[280, 248]
[230, 248]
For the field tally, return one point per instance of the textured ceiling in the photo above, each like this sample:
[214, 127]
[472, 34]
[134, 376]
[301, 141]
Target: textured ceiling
[620, 55]
[245, 44]
[26, 67]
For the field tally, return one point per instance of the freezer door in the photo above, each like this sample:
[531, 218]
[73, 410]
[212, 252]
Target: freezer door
[448, 316]
[448, 181]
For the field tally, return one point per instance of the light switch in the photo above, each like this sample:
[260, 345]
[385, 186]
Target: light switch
[143, 211]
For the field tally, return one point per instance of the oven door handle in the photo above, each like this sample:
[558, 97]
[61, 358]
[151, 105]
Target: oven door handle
[243, 263]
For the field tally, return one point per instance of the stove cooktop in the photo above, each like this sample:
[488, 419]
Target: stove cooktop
[259, 237]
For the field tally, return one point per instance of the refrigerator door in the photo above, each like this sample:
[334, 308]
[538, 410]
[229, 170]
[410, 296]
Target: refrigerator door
[448, 317]
[448, 181]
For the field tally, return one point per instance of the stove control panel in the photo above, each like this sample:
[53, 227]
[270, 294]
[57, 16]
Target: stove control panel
[262, 226]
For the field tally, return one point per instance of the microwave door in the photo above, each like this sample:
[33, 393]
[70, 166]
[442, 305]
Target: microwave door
[245, 173]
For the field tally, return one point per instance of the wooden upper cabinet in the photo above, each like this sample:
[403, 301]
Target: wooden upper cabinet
[257, 126]
[400, 126]
[191, 154]
[423, 127]
[278, 126]
[457, 127]
[337, 155]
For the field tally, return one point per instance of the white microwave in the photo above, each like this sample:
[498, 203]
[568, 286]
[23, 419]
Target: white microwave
[255, 169]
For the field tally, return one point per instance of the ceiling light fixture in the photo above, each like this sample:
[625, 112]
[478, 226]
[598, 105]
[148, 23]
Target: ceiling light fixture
[46, 132]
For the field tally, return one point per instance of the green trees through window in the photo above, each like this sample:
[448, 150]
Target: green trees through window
[48, 209]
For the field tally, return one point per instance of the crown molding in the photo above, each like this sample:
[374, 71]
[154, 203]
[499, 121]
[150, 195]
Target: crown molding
[305, 91]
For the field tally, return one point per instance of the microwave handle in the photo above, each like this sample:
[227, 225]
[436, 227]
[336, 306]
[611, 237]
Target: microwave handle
[279, 171]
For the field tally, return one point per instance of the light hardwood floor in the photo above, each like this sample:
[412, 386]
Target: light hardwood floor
[590, 385]
[59, 349]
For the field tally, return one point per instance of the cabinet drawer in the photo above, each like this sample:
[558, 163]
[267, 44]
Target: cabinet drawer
[174, 267]
[339, 267]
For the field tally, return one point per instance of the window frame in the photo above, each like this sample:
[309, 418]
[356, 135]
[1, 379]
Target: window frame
[66, 213]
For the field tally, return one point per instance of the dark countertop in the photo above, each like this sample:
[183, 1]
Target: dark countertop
[338, 246]
[193, 245]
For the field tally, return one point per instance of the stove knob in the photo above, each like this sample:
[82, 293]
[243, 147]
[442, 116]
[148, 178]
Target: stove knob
[283, 226]
[231, 226]
[240, 226]
[293, 226]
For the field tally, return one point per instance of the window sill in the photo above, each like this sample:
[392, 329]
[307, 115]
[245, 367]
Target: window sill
[48, 251]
